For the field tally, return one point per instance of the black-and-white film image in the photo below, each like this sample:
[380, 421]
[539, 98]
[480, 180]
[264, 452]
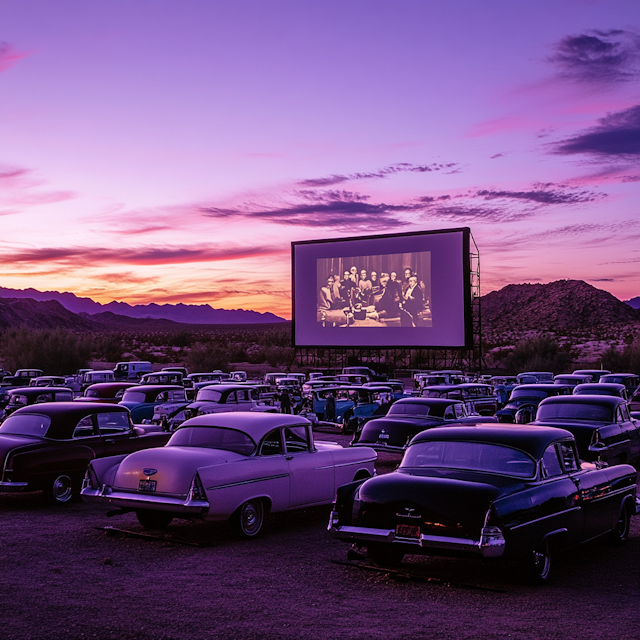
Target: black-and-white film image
[391, 290]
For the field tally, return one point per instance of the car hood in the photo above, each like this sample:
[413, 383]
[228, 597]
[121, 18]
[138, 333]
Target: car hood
[444, 506]
[174, 467]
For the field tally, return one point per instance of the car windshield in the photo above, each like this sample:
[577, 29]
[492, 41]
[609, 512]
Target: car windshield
[26, 425]
[210, 395]
[528, 393]
[593, 412]
[470, 456]
[412, 409]
[213, 438]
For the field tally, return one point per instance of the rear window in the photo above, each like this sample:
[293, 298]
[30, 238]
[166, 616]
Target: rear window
[592, 412]
[470, 456]
[134, 396]
[411, 409]
[213, 438]
[26, 425]
[528, 393]
[209, 395]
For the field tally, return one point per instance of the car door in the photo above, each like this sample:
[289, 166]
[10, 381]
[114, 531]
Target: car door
[243, 400]
[116, 433]
[630, 430]
[311, 472]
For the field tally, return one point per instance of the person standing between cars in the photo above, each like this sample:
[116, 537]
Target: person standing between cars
[330, 408]
[285, 401]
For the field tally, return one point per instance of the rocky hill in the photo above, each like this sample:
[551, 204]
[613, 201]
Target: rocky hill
[184, 313]
[40, 315]
[561, 306]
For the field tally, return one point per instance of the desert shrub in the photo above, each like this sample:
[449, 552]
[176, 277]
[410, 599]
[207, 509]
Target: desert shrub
[207, 357]
[541, 353]
[55, 351]
[625, 360]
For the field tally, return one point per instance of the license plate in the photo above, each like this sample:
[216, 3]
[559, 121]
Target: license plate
[408, 530]
[147, 485]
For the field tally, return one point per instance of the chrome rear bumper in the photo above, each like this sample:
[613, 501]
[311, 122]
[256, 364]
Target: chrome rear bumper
[490, 545]
[106, 495]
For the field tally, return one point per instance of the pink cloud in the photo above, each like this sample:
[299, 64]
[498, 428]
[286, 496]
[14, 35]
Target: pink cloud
[9, 57]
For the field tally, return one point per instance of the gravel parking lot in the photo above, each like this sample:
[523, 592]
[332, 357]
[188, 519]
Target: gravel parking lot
[63, 576]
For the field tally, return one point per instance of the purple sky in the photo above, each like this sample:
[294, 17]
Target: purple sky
[170, 151]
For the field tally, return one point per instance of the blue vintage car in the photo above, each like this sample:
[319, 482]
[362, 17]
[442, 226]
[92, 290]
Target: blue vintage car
[349, 401]
[141, 400]
[494, 492]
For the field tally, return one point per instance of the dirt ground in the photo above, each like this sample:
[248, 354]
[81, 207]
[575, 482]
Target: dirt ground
[63, 577]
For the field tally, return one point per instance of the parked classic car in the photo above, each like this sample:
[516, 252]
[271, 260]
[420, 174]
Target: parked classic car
[48, 381]
[410, 416]
[490, 492]
[109, 392]
[528, 395]
[349, 400]
[595, 374]
[23, 397]
[601, 389]
[230, 466]
[572, 379]
[534, 377]
[223, 398]
[630, 380]
[48, 446]
[21, 377]
[163, 377]
[141, 400]
[601, 425]
[479, 397]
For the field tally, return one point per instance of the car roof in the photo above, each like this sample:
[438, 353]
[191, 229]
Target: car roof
[537, 387]
[226, 387]
[457, 387]
[155, 387]
[36, 391]
[254, 424]
[532, 440]
[112, 385]
[430, 402]
[608, 401]
[609, 386]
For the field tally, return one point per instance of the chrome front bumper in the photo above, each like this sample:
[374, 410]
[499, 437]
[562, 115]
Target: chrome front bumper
[11, 487]
[106, 495]
[490, 545]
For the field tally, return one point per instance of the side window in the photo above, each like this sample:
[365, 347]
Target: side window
[272, 444]
[113, 422]
[296, 439]
[231, 398]
[550, 462]
[162, 397]
[448, 413]
[177, 395]
[44, 397]
[84, 428]
[568, 455]
[242, 395]
[459, 410]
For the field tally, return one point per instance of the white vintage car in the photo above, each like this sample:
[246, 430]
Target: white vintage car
[230, 466]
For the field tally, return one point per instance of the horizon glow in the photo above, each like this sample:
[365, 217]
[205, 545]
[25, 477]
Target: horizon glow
[161, 152]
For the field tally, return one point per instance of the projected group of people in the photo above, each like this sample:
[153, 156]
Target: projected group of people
[371, 298]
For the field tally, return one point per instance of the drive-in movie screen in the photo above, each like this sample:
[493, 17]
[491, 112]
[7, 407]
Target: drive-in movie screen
[410, 290]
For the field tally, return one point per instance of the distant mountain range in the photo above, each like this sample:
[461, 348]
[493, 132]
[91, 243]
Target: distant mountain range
[561, 306]
[183, 313]
[634, 302]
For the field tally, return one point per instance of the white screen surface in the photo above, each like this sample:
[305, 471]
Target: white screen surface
[418, 297]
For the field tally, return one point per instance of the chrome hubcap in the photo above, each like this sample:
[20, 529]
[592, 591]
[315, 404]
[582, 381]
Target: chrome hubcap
[62, 488]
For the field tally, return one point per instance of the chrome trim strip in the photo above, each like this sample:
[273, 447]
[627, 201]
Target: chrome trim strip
[241, 482]
[630, 488]
[551, 515]
[347, 464]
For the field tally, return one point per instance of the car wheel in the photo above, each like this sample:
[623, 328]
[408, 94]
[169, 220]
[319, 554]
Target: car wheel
[540, 563]
[61, 489]
[247, 520]
[621, 531]
[154, 519]
[385, 555]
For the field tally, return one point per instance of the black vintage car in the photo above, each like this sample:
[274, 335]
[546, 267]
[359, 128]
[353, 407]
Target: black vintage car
[410, 416]
[601, 425]
[529, 396]
[26, 396]
[480, 398]
[48, 446]
[494, 491]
